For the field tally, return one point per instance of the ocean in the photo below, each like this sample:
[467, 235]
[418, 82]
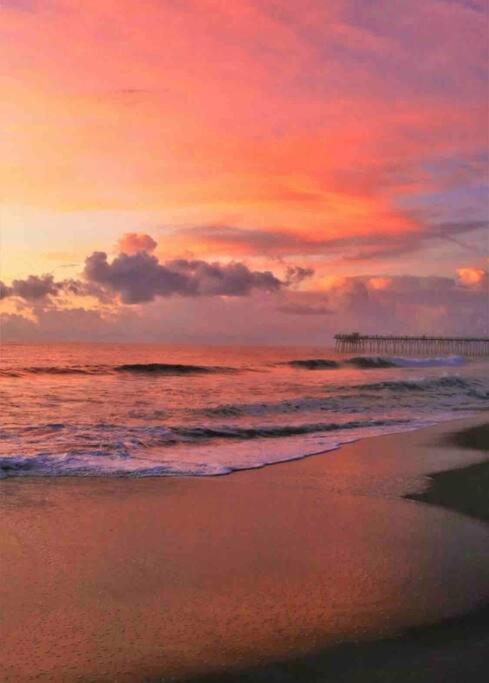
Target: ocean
[153, 410]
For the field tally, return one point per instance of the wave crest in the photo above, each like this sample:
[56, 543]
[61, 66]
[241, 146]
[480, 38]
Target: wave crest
[472, 387]
[143, 368]
[117, 459]
[439, 361]
[314, 363]
[170, 369]
[371, 362]
[274, 431]
[53, 370]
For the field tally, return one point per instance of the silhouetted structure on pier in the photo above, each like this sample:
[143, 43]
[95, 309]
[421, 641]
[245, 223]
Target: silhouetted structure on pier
[421, 346]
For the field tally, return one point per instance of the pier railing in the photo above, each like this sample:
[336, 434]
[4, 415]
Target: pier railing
[466, 346]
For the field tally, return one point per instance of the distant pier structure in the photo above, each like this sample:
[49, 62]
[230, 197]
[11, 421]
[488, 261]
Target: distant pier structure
[412, 346]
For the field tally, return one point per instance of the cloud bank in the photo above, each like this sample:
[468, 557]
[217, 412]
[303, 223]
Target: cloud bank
[136, 297]
[33, 288]
[139, 277]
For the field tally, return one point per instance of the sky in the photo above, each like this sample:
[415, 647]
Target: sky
[254, 171]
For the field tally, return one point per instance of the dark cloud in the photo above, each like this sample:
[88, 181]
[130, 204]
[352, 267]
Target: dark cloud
[136, 279]
[214, 292]
[139, 278]
[397, 305]
[83, 288]
[42, 289]
[34, 288]
[215, 279]
[296, 274]
[4, 291]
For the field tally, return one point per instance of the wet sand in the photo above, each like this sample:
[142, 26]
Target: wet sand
[465, 490]
[313, 570]
[448, 651]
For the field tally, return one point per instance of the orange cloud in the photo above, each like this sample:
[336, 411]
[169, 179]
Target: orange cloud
[472, 277]
[379, 282]
[132, 242]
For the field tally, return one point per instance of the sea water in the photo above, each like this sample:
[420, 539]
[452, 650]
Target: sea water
[155, 410]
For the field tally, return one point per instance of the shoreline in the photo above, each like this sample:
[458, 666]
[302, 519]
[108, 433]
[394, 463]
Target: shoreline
[462, 490]
[252, 468]
[158, 579]
[443, 652]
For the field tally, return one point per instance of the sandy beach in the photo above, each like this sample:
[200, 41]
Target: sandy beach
[463, 490]
[244, 341]
[312, 570]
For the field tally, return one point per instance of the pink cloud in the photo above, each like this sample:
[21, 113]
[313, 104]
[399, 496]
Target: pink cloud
[132, 242]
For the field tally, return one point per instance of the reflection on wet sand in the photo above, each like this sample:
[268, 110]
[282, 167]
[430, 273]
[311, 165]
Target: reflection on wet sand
[174, 577]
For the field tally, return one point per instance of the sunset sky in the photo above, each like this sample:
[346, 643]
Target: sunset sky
[243, 170]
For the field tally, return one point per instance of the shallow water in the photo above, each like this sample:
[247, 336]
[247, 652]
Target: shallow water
[152, 579]
[151, 410]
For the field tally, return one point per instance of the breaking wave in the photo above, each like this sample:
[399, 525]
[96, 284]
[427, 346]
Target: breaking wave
[171, 369]
[314, 364]
[268, 431]
[105, 412]
[142, 368]
[442, 361]
[174, 369]
[46, 465]
[8, 373]
[395, 362]
[454, 383]
[367, 362]
[371, 362]
[338, 402]
[122, 457]
[68, 370]
[113, 436]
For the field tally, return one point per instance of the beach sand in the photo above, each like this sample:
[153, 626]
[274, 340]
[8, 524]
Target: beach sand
[465, 490]
[449, 651]
[313, 570]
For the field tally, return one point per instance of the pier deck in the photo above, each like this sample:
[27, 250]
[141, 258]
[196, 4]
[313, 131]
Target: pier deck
[424, 345]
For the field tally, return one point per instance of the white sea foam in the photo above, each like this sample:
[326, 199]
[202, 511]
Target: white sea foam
[205, 460]
[442, 361]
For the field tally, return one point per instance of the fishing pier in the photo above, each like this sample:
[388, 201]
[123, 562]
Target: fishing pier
[412, 346]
